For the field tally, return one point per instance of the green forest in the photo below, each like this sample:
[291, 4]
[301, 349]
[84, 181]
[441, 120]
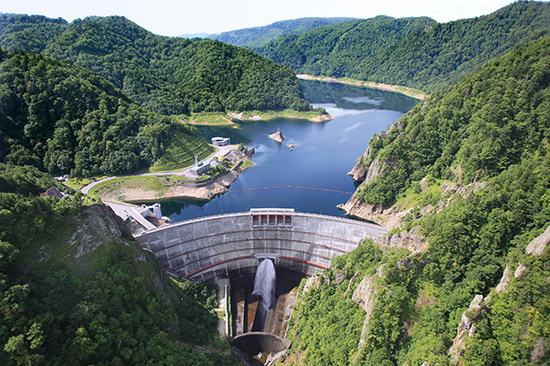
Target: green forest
[76, 289]
[64, 119]
[469, 167]
[169, 76]
[493, 127]
[414, 52]
[332, 50]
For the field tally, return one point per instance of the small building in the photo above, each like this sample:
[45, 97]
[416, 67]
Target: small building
[53, 193]
[200, 167]
[220, 141]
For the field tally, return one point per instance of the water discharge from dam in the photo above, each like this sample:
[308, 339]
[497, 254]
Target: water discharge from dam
[264, 283]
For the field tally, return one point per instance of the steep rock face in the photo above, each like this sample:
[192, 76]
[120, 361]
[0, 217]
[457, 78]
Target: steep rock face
[311, 282]
[412, 240]
[359, 170]
[389, 217]
[392, 217]
[278, 317]
[365, 296]
[465, 329]
[536, 246]
[95, 226]
[505, 280]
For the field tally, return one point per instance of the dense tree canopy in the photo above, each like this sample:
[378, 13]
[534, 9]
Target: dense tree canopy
[64, 119]
[76, 289]
[492, 127]
[165, 75]
[495, 118]
[416, 52]
[334, 50]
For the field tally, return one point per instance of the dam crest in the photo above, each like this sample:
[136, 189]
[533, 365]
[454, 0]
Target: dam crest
[221, 246]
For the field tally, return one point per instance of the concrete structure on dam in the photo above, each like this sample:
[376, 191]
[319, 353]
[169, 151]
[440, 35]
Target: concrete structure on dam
[213, 247]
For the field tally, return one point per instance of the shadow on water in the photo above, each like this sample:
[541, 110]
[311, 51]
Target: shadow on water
[175, 206]
[354, 97]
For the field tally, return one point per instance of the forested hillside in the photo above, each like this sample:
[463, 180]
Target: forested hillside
[258, 36]
[419, 55]
[335, 50]
[64, 119]
[76, 289]
[471, 166]
[471, 132]
[165, 75]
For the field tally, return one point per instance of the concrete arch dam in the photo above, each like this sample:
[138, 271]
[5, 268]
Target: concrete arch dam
[212, 247]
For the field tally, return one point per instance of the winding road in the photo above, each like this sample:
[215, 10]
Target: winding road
[222, 151]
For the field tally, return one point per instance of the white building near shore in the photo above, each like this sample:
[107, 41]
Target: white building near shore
[220, 141]
[200, 167]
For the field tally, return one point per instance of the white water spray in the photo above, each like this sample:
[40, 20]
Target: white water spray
[264, 283]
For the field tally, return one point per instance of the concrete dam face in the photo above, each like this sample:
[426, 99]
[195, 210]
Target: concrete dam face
[228, 245]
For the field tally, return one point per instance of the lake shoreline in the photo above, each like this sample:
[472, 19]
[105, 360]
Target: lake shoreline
[157, 186]
[405, 90]
[207, 192]
[321, 156]
[231, 119]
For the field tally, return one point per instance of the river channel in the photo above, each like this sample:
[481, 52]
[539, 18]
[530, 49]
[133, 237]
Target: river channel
[324, 154]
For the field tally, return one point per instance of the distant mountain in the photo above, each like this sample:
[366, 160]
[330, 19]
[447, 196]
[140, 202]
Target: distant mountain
[258, 36]
[421, 54]
[197, 35]
[166, 75]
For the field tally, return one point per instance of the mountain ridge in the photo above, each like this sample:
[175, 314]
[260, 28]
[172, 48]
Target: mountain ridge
[257, 36]
[165, 75]
[469, 170]
[428, 59]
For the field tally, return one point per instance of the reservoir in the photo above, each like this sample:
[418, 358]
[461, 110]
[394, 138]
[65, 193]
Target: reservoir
[325, 152]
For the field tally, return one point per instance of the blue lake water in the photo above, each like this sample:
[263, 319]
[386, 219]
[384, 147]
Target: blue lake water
[325, 153]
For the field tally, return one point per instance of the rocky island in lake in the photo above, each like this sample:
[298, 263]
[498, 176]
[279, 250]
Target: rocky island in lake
[277, 136]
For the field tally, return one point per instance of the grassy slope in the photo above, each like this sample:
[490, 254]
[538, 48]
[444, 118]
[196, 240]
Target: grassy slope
[181, 153]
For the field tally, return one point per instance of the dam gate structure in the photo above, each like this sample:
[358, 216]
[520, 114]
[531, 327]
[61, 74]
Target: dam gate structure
[228, 249]
[213, 247]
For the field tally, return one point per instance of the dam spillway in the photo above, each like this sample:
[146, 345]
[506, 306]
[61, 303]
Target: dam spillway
[208, 248]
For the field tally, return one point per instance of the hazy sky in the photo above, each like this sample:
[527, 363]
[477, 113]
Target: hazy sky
[172, 18]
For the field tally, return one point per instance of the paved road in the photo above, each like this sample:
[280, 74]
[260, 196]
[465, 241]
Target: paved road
[222, 151]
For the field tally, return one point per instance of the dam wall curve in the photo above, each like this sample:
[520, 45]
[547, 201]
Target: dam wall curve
[212, 247]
